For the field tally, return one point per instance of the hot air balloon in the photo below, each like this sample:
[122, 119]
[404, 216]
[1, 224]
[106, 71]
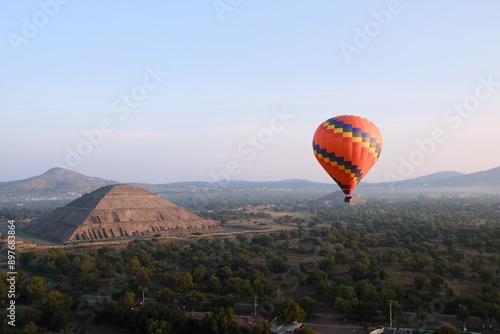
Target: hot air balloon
[347, 147]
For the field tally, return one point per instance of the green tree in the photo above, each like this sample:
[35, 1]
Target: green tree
[447, 329]
[345, 307]
[305, 330]
[462, 313]
[26, 257]
[128, 300]
[327, 264]
[457, 253]
[277, 264]
[493, 310]
[290, 311]
[35, 288]
[55, 307]
[476, 263]
[89, 282]
[366, 311]
[366, 291]
[199, 273]
[497, 314]
[242, 238]
[193, 299]
[437, 281]
[213, 284]
[457, 270]
[165, 296]
[221, 320]
[143, 276]
[345, 291]
[479, 310]
[419, 262]
[421, 281]
[262, 239]
[318, 276]
[358, 271]
[263, 327]
[184, 281]
[158, 327]
[238, 286]
[30, 328]
[4, 285]
[487, 274]
[309, 306]
[33, 315]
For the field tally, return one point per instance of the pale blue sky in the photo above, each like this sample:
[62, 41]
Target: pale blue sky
[231, 72]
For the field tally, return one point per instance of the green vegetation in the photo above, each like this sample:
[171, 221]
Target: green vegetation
[226, 215]
[24, 212]
[356, 260]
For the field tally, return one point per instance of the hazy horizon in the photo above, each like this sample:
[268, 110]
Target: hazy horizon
[240, 180]
[218, 89]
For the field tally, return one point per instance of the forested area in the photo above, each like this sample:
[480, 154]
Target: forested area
[224, 216]
[423, 258]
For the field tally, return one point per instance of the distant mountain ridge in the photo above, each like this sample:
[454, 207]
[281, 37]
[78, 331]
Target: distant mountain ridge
[56, 183]
[63, 184]
[56, 178]
[290, 184]
[435, 177]
[430, 179]
[487, 178]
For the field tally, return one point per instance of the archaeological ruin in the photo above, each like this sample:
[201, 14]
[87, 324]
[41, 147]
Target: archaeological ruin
[117, 211]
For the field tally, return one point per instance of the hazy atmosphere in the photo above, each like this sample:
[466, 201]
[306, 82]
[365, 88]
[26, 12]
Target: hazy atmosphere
[193, 167]
[198, 90]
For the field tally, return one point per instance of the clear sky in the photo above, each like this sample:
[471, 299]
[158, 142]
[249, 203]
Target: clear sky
[165, 91]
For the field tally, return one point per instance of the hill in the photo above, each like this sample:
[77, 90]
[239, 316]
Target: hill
[433, 178]
[488, 178]
[58, 184]
[291, 184]
[55, 184]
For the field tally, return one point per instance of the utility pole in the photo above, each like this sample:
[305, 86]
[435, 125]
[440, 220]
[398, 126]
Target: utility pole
[390, 314]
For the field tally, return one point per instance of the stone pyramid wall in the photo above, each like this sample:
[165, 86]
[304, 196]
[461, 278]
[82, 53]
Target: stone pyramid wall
[117, 211]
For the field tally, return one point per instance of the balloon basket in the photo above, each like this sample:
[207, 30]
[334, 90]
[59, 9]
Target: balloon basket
[347, 199]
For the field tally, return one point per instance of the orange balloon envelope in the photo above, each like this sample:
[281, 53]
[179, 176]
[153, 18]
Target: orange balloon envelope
[347, 147]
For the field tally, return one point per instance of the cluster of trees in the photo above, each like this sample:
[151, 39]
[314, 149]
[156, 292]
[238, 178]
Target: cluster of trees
[48, 308]
[226, 215]
[359, 268]
[21, 212]
[173, 274]
[232, 198]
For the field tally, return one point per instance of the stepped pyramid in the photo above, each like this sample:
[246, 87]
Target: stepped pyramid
[117, 211]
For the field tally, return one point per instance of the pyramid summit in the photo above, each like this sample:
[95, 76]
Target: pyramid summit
[117, 211]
